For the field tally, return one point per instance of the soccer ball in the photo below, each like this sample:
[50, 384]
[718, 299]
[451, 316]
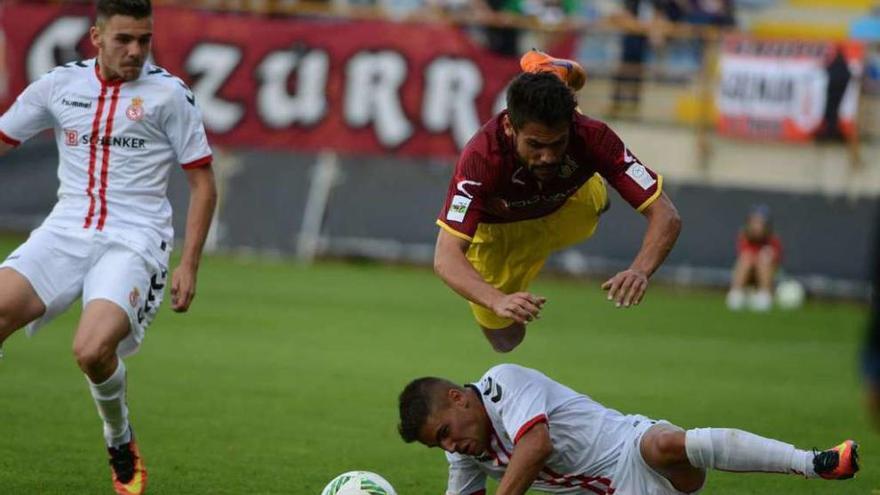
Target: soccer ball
[790, 294]
[358, 483]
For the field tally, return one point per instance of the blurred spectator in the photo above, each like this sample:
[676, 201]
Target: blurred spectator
[839, 75]
[720, 13]
[759, 252]
[656, 17]
[687, 53]
[509, 41]
[637, 15]
[502, 40]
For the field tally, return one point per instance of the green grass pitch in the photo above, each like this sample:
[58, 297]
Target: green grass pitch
[283, 376]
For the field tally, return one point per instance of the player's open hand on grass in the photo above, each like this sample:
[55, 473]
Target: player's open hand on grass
[183, 288]
[627, 288]
[521, 307]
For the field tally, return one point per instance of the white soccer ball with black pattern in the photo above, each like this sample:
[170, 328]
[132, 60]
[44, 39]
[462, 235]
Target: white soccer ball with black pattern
[358, 483]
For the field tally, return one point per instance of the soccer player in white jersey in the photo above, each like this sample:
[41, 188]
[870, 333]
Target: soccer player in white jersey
[528, 431]
[120, 125]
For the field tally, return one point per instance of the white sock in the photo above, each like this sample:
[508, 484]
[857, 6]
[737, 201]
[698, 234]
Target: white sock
[728, 449]
[761, 300]
[736, 299]
[110, 399]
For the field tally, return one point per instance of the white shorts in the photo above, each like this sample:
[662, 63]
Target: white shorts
[632, 475]
[63, 265]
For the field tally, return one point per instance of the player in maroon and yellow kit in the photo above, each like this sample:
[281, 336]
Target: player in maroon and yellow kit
[531, 182]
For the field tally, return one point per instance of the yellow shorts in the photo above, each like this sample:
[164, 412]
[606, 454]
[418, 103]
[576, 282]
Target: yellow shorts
[510, 255]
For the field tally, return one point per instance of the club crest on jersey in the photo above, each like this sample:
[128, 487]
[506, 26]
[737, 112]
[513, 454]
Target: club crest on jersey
[135, 111]
[71, 136]
[567, 168]
[134, 297]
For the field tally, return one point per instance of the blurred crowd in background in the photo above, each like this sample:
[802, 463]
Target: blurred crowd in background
[624, 41]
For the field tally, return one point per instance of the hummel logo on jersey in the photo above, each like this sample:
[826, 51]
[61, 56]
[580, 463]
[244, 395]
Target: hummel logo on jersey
[74, 103]
[493, 388]
[117, 141]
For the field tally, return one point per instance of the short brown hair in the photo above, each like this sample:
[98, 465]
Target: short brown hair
[540, 98]
[131, 8]
[417, 401]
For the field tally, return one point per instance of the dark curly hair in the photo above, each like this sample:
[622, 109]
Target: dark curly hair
[131, 8]
[417, 401]
[541, 98]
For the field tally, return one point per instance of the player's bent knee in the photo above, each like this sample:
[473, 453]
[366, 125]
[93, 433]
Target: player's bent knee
[19, 303]
[11, 320]
[670, 446]
[664, 446]
[506, 339]
[7, 323]
[93, 357]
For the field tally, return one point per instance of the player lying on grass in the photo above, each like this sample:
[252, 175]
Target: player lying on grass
[532, 182]
[520, 427]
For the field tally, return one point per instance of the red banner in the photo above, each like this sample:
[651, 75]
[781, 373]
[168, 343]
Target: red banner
[297, 83]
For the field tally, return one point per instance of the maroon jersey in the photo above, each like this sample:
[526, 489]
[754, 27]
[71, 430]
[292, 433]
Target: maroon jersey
[744, 245]
[491, 185]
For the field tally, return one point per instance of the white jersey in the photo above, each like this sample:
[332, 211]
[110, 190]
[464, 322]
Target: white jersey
[117, 142]
[587, 437]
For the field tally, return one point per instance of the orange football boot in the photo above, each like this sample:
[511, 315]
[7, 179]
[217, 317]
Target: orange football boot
[838, 463]
[569, 71]
[129, 472]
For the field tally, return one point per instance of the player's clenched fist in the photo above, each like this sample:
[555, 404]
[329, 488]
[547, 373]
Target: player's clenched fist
[521, 307]
[183, 288]
[626, 288]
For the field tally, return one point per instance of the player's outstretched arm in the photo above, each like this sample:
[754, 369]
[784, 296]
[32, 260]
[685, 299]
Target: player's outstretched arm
[451, 265]
[529, 457]
[202, 200]
[628, 287]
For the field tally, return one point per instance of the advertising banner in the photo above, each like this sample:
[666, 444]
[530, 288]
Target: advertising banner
[788, 90]
[294, 82]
